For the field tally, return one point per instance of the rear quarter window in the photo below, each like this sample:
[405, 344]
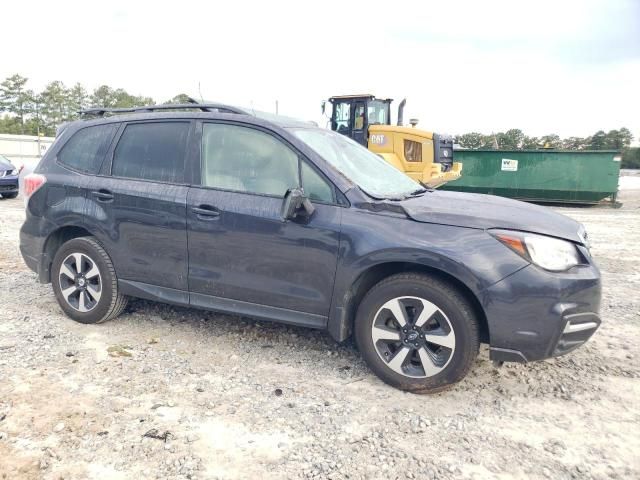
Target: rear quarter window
[86, 149]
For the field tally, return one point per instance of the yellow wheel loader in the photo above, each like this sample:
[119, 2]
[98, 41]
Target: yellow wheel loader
[425, 156]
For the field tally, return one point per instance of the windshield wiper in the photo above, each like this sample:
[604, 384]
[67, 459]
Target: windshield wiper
[419, 191]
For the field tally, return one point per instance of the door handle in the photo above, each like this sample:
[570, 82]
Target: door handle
[206, 211]
[103, 195]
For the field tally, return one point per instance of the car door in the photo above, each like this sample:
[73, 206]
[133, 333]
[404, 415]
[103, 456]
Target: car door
[240, 248]
[137, 207]
[83, 154]
[359, 132]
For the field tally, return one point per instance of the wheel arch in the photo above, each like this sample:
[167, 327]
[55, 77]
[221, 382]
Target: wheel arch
[53, 242]
[341, 324]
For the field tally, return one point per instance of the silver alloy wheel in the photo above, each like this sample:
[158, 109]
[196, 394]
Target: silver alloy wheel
[80, 282]
[413, 337]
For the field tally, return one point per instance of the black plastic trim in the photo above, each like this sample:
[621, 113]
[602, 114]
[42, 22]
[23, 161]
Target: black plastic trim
[224, 305]
[262, 312]
[506, 355]
[153, 292]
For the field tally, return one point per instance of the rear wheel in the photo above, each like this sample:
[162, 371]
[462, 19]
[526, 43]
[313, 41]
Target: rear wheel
[10, 195]
[417, 333]
[85, 283]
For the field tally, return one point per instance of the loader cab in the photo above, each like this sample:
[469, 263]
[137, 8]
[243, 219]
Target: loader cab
[353, 114]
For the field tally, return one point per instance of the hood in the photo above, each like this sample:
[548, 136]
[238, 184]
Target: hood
[488, 211]
[5, 164]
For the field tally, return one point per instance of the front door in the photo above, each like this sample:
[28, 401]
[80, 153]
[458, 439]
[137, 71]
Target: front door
[359, 133]
[240, 249]
[138, 205]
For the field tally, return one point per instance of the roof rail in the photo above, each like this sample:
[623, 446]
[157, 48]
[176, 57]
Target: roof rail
[205, 107]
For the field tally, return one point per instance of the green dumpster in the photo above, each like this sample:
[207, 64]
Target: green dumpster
[560, 176]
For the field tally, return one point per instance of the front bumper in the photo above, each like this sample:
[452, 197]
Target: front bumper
[9, 184]
[534, 314]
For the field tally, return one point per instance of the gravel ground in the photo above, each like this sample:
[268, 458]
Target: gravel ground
[167, 392]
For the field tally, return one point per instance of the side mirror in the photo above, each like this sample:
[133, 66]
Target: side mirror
[295, 205]
[324, 106]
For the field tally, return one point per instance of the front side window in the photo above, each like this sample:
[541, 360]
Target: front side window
[152, 151]
[247, 160]
[86, 149]
[315, 186]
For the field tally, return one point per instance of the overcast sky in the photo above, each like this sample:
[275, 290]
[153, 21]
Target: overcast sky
[566, 67]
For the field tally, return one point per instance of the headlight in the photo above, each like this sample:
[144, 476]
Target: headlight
[547, 252]
[15, 171]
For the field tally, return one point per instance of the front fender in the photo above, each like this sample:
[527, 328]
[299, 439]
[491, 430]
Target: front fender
[470, 256]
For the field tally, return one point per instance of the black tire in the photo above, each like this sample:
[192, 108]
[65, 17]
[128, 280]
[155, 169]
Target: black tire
[459, 318]
[111, 302]
[10, 195]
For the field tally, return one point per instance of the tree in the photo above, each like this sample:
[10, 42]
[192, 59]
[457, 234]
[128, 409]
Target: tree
[470, 140]
[15, 98]
[625, 136]
[183, 98]
[77, 99]
[511, 139]
[574, 143]
[618, 139]
[103, 96]
[30, 113]
[125, 100]
[630, 158]
[598, 141]
[53, 104]
[490, 142]
[551, 141]
[11, 124]
[531, 143]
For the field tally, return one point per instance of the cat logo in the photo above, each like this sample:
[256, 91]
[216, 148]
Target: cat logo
[378, 139]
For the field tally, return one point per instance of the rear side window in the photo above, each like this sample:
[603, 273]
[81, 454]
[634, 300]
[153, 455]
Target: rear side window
[152, 151]
[86, 149]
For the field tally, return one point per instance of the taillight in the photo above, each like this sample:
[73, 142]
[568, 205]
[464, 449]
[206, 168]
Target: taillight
[33, 182]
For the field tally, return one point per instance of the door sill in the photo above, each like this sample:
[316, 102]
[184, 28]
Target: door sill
[223, 305]
[262, 312]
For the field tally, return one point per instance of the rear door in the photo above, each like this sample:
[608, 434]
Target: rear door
[138, 206]
[239, 246]
[81, 158]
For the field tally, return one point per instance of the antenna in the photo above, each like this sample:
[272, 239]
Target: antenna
[200, 92]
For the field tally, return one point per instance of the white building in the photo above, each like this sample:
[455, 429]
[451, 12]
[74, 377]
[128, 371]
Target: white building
[25, 150]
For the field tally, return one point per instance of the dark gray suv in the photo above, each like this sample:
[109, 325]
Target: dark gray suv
[277, 219]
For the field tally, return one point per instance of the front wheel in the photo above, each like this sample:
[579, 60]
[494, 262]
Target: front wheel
[84, 282]
[417, 333]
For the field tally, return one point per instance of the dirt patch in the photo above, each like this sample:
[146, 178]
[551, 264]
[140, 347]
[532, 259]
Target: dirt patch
[244, 399]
